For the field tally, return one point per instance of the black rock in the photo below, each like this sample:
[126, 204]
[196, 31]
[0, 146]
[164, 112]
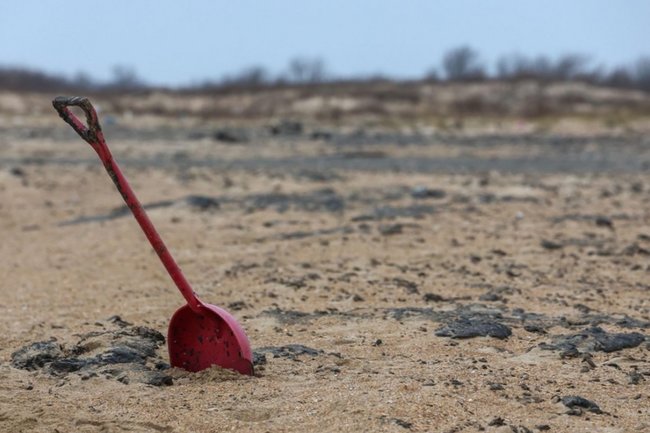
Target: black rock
[67, 365]
[603, 221]
[17, 171]
[433, 297]
[594, 339]
[121, 355]
[230, 135]
[575, 401]
[36, 355]
[550, 245]
[259, 358]
[474, 327]
[119, 351]
[613, 342]
[535, 328]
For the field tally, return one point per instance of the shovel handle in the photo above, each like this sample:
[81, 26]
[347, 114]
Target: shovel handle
[89, 132]
[92, 134]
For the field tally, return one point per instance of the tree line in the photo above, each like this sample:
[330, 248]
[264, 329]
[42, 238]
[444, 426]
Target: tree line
[461, 64]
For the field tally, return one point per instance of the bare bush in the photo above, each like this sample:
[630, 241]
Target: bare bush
[463, 64]
[253, 76]
[125, 78]
[619, 77]
[642, 73]
[567, 67]
[305, 70]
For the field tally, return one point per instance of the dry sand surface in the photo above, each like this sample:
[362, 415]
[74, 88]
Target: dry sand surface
[387, 282]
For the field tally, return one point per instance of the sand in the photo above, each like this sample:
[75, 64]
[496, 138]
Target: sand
[371, 262]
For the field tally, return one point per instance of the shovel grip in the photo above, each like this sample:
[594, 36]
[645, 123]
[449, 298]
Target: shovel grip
[91, 132]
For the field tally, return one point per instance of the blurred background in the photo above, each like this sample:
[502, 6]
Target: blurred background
[385, 61]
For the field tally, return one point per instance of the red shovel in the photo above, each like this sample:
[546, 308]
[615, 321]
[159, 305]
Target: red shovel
[200, 335]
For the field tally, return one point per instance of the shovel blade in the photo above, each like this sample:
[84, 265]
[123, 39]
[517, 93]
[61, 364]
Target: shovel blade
[199, 341]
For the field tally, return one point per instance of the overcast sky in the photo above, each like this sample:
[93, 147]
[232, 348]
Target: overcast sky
[180, 41]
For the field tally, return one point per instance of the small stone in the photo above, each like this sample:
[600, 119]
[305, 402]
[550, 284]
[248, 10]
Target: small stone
[550, 245]
[535, 328]
[575, 401]
[496, 422]
[390, 229]
[17, 171]
[432, 297]
[603, 221]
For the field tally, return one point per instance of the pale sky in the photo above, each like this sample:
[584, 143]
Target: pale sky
[178, 42]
